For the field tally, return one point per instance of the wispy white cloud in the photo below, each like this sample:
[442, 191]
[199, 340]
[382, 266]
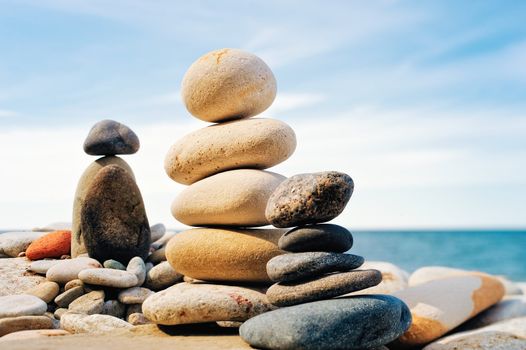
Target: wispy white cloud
[5, 113]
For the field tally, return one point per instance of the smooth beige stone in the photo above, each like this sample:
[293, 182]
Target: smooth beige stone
[21, 305]
[91, 303]
[197, 303]
[73, 283]
[224, 254]
[108, 278]
[228, 84]
[162, 276]
[506, 335]
[20, 323]
[68, 270]
[81, 323]
[41, 266]
[138, 318]
[232, 198]
[84, 184]
[440, 305]
[34, 334]
[46, 291]
[134, 295]
[250, 143]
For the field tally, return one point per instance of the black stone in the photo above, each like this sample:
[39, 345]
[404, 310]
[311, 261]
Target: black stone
[317, 238]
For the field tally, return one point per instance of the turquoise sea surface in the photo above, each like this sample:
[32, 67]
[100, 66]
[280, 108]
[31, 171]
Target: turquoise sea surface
[501, 252]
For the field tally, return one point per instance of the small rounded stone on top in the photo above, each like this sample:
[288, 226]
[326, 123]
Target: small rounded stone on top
[108, 138]
[317, 238]
[309, 199]
[297, 266]
[21, 305]
[228, 84]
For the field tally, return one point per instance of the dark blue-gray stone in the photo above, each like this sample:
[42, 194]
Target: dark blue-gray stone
[317, 238]
[108, 138]
[358, 322]
[297, 266]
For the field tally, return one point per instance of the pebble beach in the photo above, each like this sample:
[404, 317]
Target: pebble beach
[262, 267]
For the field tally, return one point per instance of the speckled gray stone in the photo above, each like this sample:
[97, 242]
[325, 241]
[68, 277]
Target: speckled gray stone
[325, 287]
[361, 322]
[309, 199]
[297, 266]
[108, 138]
[317, 238]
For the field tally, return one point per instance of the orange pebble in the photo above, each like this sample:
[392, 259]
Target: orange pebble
[52, 245]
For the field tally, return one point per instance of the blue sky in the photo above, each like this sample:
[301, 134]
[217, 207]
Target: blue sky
[422, 103]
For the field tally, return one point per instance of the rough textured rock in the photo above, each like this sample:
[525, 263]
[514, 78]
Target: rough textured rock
[297, 266]
[81, 323]
[506, 335]
[21, 305]
[228, 84]
[162, 276]
[108, 278]
[317, 238]
[108, 138]
[196, 303]
[91, 303]
[114, 223]
[15, 278]
[224, 255]
[64, 299]
[51, 245]
[250, 144]
[393, 278]
[325, 287]
[47, 291]
[232, 198]
[69, 269]
[347, 323]
[309, 199]
[14, 243]
[440, 305]
[15, 324]
[84, 184]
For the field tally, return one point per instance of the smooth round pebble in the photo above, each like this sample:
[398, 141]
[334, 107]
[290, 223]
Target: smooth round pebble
[259, 144]
[21, 323]
[231, 198]
[41, 266]
[21, 305]
[317, 238]
[297, 266]
[108, 278]
[134, 295]
[197, 303]
[162, 276]
[108, 138]
[325, 287]
[47, 291]
[65, 298]
[362, 322]
[69, 269]
[138, 268]
[157, 231]
[59, 312]
[309, 199]
[113, 264]
[228, 84]
[91, 303]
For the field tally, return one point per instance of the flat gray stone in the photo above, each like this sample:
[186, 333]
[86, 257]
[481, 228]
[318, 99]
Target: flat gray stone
[67, 297]
[317, 238]
[325, 287]
[297, 266]
[21, 305]
[361, 322]
[108, 138]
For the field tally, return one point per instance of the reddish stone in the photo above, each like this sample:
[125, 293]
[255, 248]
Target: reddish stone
[52, 245]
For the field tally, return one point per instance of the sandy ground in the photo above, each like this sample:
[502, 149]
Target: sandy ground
[142, 337]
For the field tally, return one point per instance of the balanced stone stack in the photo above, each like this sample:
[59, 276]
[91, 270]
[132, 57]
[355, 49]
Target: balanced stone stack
[228, 191]
[316, 269]
[109, 218]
